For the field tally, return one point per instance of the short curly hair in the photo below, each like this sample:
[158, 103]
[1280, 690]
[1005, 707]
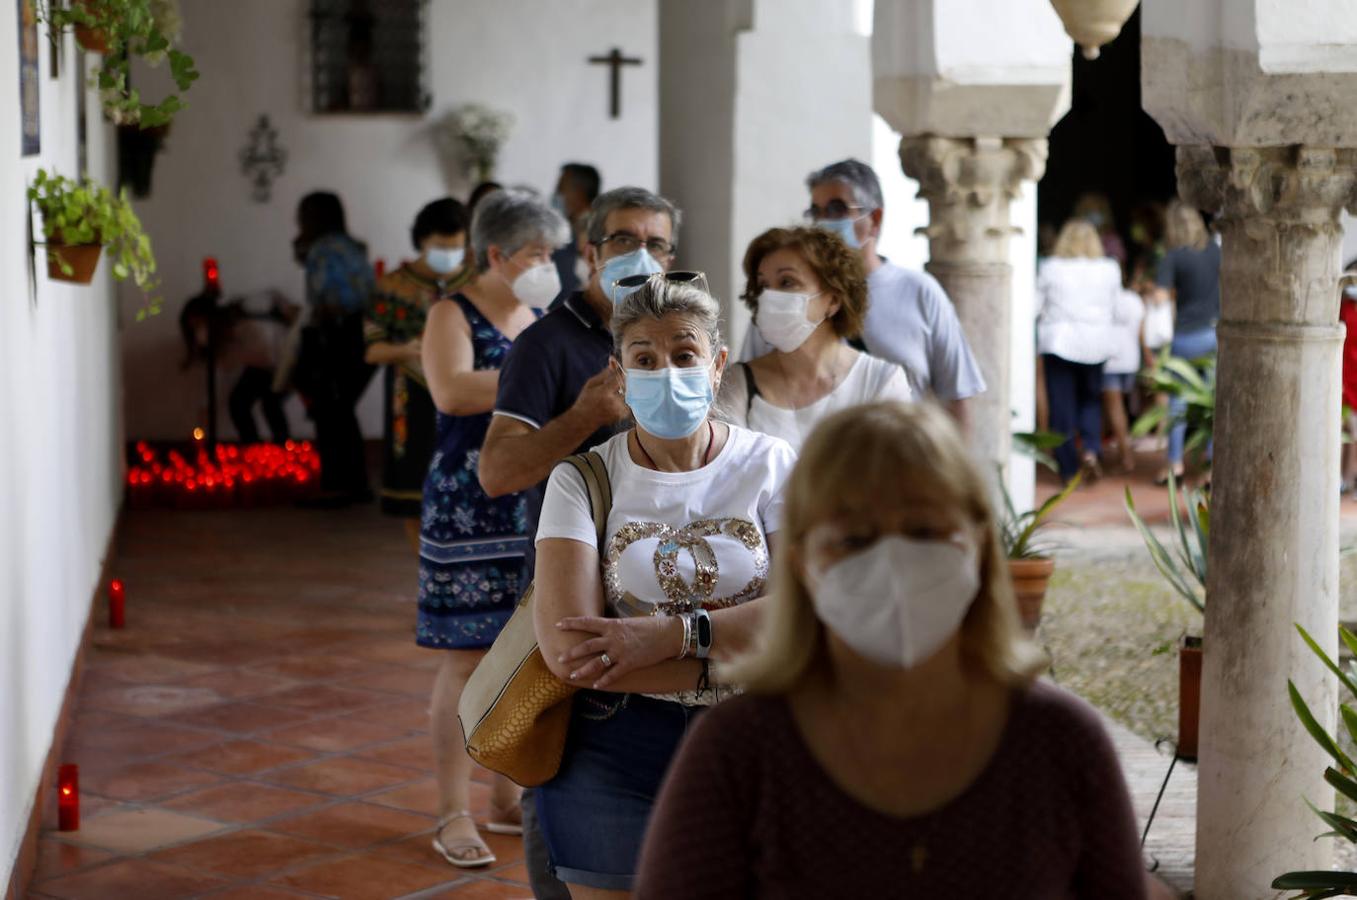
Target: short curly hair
[835, 264]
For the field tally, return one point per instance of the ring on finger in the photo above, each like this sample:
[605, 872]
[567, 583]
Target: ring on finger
[606, 660]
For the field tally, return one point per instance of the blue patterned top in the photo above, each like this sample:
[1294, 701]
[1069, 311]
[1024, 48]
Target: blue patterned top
[338, 273]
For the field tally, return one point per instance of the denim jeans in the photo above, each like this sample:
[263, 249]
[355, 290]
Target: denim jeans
[595, 811]
[1075, 394]
[1191, 346]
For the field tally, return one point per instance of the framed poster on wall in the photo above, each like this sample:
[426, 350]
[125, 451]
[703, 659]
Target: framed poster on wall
[28, 77]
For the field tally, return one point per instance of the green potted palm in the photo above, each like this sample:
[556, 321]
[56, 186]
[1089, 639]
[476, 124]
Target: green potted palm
[1030, 563]
[82, 218]
[1185, 571]
[1342, 776]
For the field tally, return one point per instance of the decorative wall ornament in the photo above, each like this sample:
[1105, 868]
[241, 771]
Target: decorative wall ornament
[262, 160]
[1093, 23]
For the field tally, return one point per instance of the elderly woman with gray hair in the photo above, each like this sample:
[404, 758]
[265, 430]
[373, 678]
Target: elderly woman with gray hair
[637, 622]
[471, 546]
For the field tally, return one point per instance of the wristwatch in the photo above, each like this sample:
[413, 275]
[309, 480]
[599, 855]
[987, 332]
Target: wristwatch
[702, 634]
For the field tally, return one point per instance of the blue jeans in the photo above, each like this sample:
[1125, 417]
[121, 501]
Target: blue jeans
[1191, 346]
[595, 811]
[1074, 392]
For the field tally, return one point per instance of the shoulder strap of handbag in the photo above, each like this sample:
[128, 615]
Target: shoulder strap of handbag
[595, 474]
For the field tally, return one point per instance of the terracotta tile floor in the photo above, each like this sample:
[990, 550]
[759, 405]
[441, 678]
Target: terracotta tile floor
[260, 728]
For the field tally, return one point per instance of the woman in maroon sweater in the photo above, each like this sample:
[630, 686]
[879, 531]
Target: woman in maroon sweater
[894, 742]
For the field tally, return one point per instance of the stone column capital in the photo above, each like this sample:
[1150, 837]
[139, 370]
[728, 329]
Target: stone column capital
[1278, 212]
[968, 183]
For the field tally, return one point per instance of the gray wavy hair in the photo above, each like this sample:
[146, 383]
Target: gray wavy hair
[658, 298]
[510, 220]
[857, 175]
[630, 198]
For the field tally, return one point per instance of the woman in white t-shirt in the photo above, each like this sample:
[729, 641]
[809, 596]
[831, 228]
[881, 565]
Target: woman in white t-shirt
[677, 584]
[1077, 291]
[808, 293]
[1120, 371]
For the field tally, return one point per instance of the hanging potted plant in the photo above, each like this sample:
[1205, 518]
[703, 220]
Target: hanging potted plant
[1030, 563]
[121, 30]
[1185, 571]
[80, 219]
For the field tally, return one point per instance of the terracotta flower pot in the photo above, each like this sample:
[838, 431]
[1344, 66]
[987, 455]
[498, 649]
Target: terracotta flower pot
[1030, 578]
[1189, 696]
[92, 39]
[82, 258]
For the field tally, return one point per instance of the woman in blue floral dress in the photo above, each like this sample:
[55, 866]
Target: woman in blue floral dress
[472, 546]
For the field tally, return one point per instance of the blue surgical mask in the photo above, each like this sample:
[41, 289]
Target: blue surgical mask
[844, 228]
[670, 403]
[637, 262]
[558, 203]
[443, 260]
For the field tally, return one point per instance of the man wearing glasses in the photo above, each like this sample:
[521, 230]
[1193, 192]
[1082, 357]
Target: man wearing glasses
[910, 320]
[558, 396]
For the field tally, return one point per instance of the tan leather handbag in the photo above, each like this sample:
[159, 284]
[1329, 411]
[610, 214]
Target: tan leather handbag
[514, 711]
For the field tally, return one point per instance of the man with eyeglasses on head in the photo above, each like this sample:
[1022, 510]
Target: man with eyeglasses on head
[558, 396]
[910, 320]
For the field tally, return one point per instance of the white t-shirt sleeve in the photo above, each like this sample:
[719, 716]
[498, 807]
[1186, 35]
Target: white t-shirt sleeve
[781, 461]
[955, 374]
[895, 386]
[566, 511]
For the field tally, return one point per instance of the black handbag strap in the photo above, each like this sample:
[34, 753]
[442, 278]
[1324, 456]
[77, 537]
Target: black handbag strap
[592, 469]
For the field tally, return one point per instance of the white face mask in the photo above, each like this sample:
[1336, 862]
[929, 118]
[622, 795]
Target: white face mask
[897, 602]
[538, 286]
[782, 321]
[582, 270]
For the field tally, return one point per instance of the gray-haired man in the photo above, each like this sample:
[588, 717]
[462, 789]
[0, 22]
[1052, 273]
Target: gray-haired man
[910, 320]
[558, 396]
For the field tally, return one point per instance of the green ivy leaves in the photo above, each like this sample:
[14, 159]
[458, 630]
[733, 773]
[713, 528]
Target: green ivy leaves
[85, 212]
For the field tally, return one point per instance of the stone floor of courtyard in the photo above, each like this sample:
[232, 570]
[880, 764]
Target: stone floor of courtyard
[260, 727]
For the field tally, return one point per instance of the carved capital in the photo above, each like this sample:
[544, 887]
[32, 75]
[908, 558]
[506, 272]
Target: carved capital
[1278, 212]
[969, 183]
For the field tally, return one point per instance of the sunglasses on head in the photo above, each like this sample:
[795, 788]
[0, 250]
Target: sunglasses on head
[696, 279]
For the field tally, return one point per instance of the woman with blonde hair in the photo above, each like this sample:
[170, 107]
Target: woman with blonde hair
[1189, 275]
[893, 725]
[1077, 293]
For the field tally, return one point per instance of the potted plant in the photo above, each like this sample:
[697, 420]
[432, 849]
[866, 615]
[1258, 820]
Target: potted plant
[79, 219]
[1193, 384]
[1030, 563]
[1185, 571]
[1343, 778]
[475, 134]
[122, 29]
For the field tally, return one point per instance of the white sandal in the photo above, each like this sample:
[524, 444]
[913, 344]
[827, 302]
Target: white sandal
[474, 844]
[505, 824]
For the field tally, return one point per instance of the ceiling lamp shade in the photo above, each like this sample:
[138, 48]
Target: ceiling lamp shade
[1092, 23]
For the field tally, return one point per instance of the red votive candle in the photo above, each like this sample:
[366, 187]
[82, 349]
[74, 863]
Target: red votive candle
[68, 798]
[116, 604]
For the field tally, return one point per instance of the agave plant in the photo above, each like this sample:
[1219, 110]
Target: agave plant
[1018, 531]
[1193, 382]
[1185, 571]
[1343, 778]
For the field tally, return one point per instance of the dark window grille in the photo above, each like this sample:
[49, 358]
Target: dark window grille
[368, 56]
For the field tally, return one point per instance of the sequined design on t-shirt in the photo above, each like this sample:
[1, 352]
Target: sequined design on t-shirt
[680, 596]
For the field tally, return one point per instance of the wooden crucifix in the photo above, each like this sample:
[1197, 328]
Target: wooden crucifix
[616, 60]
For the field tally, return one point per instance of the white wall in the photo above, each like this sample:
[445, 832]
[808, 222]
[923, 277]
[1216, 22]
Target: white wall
[60, 444]
[524, 56]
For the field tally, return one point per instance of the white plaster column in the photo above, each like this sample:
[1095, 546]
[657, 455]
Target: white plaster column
[969, 184]
[1257, 96]
[1274, 536]
[973, 89]
[754, 95]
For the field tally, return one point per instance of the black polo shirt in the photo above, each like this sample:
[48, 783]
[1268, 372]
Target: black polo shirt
[544, 373]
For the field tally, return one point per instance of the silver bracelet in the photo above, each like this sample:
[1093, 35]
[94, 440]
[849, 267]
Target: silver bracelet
[687, 634]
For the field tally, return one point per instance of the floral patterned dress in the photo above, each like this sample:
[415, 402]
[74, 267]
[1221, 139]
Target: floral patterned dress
[396, 315]
[471, 547]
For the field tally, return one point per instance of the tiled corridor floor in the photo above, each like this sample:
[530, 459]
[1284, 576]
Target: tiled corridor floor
[260, 728]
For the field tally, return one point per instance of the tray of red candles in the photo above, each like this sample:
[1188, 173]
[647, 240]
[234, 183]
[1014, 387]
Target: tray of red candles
[190, 476]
